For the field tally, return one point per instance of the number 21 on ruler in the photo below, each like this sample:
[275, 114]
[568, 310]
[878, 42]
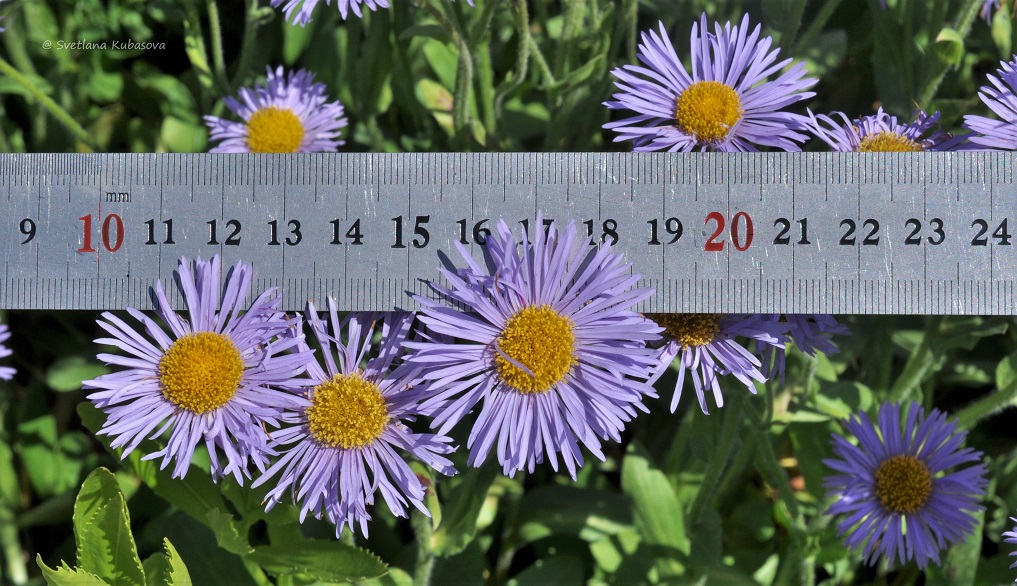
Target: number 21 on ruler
[111, 234]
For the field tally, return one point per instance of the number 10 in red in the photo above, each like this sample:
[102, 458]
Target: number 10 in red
[112, 233]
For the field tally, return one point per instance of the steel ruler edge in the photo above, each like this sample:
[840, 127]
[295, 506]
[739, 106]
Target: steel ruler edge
[861, 233]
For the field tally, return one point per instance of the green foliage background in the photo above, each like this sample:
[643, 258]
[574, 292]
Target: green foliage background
[730, 498]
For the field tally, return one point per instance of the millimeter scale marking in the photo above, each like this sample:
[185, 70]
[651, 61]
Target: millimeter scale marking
[865, 233]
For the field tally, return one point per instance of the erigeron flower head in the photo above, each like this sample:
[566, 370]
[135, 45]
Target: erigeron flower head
[811, 333]
[899, 489]
[6, 372]
[705, 345]
[339, 445]
[217, 377]
[299, 11]
[548, 347]
[881, 132]
[726, 103]
[990, 133]
[1011, 537]
[290, 114]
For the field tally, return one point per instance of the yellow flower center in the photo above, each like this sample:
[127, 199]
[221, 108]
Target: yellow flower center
[347, 412]
[903, 484]
[201, 371]
[543, 341]
[274, 130]
[708, 110]
[689, 329]
[888, 142]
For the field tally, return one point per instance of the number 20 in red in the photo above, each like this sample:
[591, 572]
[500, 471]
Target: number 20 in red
[112, 233]
[741, 242]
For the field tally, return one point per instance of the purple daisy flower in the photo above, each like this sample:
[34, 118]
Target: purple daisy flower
[299, 11]
[549, 348]
[705, 345]
[1011, 537]
[725, 104]
[999, 97]
[882, 132]
[898, 478]
[348, 423]
[6, 372]
[214, 378]
[810, 332]
[290, 114]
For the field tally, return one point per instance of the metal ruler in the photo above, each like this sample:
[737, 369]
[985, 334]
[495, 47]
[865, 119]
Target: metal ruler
[907, 233]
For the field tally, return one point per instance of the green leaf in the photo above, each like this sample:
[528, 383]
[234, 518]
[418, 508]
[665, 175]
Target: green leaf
[1005, 395]
[65, 576]
[577, 76]
[556, 570]
[462, 507]
[168, 569]
[195, 493]
[657, 511]
[949, 46]
[97, 490]
[432, 31]
[226, 533]
[103, 84]
[1002, 33]
[295, 41]
[182, 137]
[321, 560]
[54, 462]
[589, 513]
[67, 373]
[102, 530]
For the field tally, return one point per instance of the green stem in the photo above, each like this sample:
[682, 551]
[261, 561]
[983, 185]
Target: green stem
[989, 405]
[921, 362]
[194, 45]
[480, 42]
[522, 23]
[715, 469]
[422, 532]
[16, 569]
[538, 57]
[251, 22]
[965, 18]
[817, 25]
[257, 574]
[59, 113]
[215, 29]
[464, 77]
[573, 12]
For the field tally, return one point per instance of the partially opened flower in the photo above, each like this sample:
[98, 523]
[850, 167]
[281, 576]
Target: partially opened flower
[1011, 537]
[339, 444]
[881, 132]
[705, 346]
[999, 97]
[899, 488]
[811, 333]
[290, 114]
[214, 378]
[299, 11]
[6, 372]
[989, 7]
[726, 103]
[548, 348]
